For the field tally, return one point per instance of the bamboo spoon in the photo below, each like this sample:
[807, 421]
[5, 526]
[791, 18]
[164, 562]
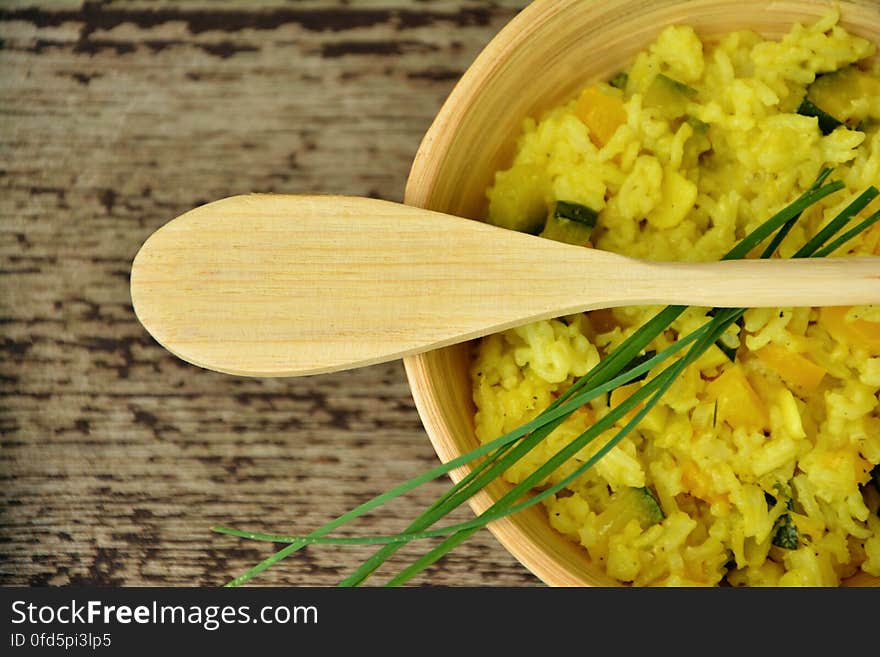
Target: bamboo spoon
[274, 285]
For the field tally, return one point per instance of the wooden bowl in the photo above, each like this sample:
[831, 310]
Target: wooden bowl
[545, 55]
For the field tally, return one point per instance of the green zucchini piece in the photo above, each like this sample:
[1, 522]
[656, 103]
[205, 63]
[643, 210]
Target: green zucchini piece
[564, 230]
[576, 212]
[675, 85]
[626, 504]
[827, 123]
[786, 534]
[571, 223]
[517, 200]
[849, 95]
[669, 96]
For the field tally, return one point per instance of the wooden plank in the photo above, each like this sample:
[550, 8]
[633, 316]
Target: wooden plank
[117, 458]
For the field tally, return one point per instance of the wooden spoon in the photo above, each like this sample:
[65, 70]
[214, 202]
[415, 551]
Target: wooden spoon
[274, 285]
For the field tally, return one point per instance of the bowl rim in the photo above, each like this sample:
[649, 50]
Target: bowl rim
[420, 185]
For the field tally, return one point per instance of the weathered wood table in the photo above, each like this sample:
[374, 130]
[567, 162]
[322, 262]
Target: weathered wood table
[116, 458]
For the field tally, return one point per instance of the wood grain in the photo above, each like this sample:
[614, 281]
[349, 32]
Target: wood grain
[116, 457]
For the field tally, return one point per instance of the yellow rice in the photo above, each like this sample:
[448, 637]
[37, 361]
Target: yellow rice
[711, 455]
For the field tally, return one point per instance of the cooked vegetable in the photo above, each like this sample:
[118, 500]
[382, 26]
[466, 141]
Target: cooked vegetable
[522, 206]
[849, 95]
[669, 96]
[571, 223]
[602, 113]
[786, 533]
[827, 122]
[576, 212]
[738, 403]
[792, 367]
[858, 333]
[627, 504]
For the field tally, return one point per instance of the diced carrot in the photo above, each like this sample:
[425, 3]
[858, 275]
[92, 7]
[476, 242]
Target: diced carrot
[859, 332]
[699, 484]
[601, 112]
[738, 403]
[793, 367]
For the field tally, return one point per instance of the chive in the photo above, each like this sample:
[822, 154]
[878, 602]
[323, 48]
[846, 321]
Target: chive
[483, 519]
[574, 403]
[576, 212]
[636, 342]
[435, 513]
[659, 385]
[827, 123]
[662, 382]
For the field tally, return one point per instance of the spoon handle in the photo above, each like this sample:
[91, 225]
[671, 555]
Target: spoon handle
[755, 283]
[276, 285]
